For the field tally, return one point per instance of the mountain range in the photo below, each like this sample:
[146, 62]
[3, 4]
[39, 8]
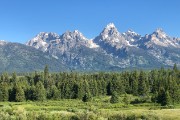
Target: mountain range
[109, 51]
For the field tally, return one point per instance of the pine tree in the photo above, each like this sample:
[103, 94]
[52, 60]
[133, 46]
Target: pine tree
[75, 91]
[175, 69]
[86, 97]
[20, 96]
[142, 89]
[114, 98]
[14, 77]
[168, 100]
[4, 94]
[163, 97]
[46, 75]
[55, 93]
[126, 99]
[30, 94]
[109, 88]
[40, 92]
[135, 83]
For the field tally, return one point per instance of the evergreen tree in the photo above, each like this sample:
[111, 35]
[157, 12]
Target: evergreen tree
[175, 69]
[20, 96]
[86, 97]
[40, 92]
[12, 94]
[109, 88]
[142, 89]
[75, 91]
[168, 100]
[55, 93]
[94, 88]
[126, 99]
[135, 83]
[4, 94]
[46, 75]
[154, 97]
[30, 93]
[164, 98]
[161, 95]
[114, 98]
[14, 77]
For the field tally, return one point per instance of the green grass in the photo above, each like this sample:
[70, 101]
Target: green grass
[98, 109]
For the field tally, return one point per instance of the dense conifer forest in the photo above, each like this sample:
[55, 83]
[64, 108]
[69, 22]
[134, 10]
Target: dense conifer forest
[159, 86]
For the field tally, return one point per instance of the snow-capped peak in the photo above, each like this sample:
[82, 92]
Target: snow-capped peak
[3, 42]
[73, 35]
[110, 25]
[159, 30]
[130, 31]
[159, 33]
[76, 31]
[109, 30]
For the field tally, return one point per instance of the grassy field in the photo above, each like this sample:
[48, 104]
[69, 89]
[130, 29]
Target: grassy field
[98, 109]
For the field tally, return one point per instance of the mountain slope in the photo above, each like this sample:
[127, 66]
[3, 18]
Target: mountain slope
[21, 58]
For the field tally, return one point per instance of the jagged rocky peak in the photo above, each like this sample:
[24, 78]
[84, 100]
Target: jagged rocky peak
[132, 37]
[43, 39]
[132, 33]
[48, 36]
[109, 30]
[111, 37]
[160, 38]
[110, 26]
[75, 35]
[159, 32]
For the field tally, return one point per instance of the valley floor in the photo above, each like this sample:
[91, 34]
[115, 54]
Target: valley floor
[98, 109]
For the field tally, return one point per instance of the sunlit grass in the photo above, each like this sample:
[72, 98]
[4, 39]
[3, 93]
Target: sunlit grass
[98, 108]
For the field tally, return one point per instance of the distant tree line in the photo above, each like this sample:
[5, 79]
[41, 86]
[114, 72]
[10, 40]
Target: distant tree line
[163, 85]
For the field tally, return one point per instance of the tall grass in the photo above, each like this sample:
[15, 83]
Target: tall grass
[98, 109]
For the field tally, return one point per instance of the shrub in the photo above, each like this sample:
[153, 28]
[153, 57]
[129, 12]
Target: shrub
[114, 98]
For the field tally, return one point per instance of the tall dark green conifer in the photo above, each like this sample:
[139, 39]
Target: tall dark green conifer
[126, 99]
[114, 97]
[135, 83]
[168, 100]
[175, 68]
[20, 96]
[4, 94]
[142, 89]
[46, 75]
[40, 92]
[86, 97]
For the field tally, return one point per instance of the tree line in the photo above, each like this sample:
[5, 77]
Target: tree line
[162, 85]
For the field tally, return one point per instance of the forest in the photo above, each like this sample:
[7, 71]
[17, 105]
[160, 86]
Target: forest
[159, 87]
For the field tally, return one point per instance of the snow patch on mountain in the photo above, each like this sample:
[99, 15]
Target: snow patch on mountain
[3, 42]
[92, 44]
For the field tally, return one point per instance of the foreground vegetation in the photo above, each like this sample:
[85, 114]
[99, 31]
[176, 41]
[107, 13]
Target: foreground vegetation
[98, 109]
[132, 95]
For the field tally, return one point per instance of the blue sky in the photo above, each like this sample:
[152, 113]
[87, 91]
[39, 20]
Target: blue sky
[20, 20]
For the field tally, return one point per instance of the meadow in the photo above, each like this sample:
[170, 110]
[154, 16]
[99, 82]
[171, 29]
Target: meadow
[99, 108]
[128, 95]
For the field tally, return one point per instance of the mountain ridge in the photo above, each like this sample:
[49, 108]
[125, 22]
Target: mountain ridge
[108, 51]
